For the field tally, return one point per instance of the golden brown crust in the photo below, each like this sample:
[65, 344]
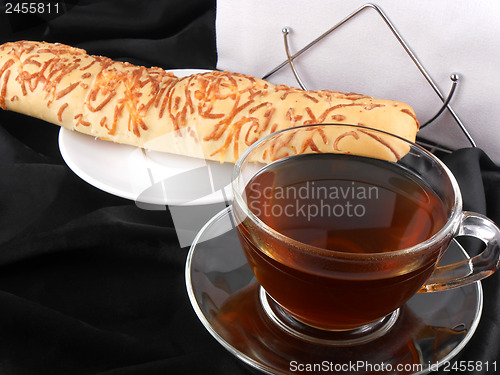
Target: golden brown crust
[215, 115]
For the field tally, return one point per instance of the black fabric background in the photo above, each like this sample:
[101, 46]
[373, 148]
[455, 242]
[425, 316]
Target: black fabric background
[92, 284]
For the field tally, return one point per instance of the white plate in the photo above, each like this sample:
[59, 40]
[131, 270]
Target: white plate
[146, 176]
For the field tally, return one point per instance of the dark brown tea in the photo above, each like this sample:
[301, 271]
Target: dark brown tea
[335, 221]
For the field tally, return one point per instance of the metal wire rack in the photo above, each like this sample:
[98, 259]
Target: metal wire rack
[454, 77]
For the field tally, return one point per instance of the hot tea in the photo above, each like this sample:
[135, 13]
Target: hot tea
[331, 224]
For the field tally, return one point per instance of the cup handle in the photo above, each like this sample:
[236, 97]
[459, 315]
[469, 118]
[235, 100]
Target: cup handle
[473, 269]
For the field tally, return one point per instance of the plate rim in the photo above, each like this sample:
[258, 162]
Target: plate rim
[222, 196]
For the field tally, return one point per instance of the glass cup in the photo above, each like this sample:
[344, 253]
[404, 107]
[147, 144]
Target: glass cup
[342, 224]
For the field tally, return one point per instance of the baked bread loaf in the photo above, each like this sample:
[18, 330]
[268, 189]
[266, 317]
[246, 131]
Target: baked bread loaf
[214, 115]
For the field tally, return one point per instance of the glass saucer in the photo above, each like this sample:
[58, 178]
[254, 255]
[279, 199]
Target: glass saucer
[431, 329]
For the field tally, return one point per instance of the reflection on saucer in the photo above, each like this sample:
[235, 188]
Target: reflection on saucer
[407, 348]
[431, 329]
